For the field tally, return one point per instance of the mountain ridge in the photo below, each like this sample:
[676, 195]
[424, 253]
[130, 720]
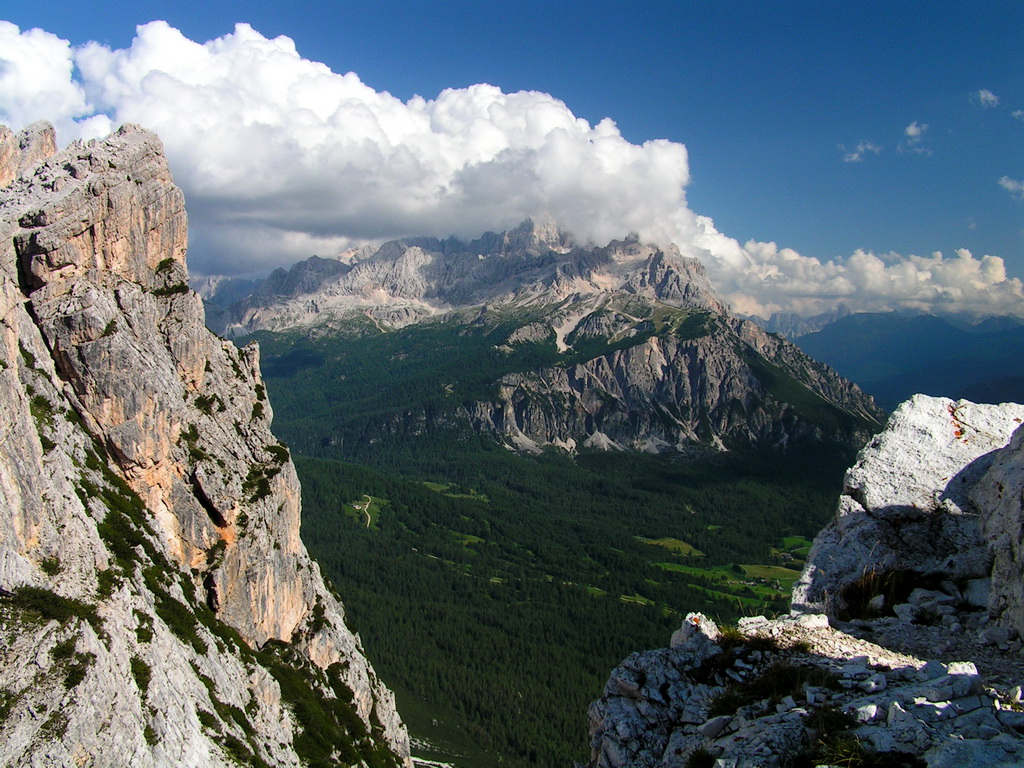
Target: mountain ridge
[624, 347]
[896, 355]
[403, 280]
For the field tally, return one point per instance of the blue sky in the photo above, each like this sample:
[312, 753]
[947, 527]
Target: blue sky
[771, 100]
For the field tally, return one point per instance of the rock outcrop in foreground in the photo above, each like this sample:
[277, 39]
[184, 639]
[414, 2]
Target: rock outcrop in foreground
[157, 607]
[908, 508]
[904, 647]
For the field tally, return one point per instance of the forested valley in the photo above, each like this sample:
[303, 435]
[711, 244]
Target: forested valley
[495, 591]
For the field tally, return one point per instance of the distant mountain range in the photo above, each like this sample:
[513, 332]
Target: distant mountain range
[895, 355]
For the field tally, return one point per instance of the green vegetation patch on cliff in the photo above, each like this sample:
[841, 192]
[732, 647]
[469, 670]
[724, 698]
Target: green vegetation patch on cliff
[45, 605]
[785, 388]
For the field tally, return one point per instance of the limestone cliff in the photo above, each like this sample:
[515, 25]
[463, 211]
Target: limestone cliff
[699, 378]
[905, 643]
[158, 606]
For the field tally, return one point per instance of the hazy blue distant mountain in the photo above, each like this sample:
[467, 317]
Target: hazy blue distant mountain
[792, 325]
[893, 356]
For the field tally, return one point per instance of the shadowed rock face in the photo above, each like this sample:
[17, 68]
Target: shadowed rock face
[112, 388]
[1000, 497]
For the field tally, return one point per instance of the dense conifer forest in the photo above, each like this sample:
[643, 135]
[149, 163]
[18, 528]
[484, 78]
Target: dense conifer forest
[495, 591]
[507, 603]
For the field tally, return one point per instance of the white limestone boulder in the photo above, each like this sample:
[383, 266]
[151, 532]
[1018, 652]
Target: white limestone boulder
[907, 504]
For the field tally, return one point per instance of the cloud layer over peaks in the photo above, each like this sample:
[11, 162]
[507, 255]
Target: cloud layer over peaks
[280, 158]
[262, 138]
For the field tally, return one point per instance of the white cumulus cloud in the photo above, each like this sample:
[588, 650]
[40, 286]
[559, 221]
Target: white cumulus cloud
[914, 134]
[280, 158]
[1014, 187]
[857, 154]
[986, 98]
[773, 279]
[36, 80]
[261, 138]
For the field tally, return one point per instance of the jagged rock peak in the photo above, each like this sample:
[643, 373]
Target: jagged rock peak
[24, 150]
[535, 235]
[150, 560]
[408, 280]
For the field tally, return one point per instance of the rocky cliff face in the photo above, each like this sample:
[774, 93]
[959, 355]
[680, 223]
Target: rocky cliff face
[22, 151]
[158, 606]
[907, 509]
[702, 378]
[905, 645]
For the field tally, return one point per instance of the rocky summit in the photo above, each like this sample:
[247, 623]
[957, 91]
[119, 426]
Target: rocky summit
[157, 607]
[620, 347]
[904, 647]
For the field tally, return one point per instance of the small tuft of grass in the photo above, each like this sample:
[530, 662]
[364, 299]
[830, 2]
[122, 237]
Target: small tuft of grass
[171, 290]
[76, 672]
[45, 605]
[279, 452]
[208, 720]
[142, 673]
[256, 485]
[42, 410]
[64, 650]
[844, 750]
[106, 582]
[8, 701]
[144, 629]
[205, 403]
[777, 681]
[896, 586]
[27, 357]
